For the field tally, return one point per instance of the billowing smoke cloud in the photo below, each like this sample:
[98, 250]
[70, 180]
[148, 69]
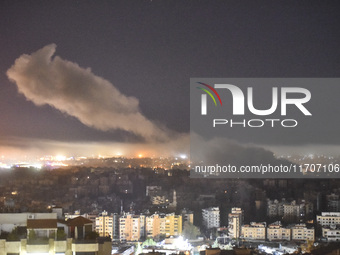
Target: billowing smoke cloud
[98, 104]
[78, 92]
[225, 151]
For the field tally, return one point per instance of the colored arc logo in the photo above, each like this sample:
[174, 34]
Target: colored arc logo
[209, 93]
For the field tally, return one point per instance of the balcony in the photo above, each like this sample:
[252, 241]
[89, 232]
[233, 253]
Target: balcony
[38, 248]
[54, 247]
[13, 246]
[60, 246]
[85, 247]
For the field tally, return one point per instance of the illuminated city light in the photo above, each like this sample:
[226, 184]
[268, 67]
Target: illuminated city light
[58, 164]
[4, 166]
[60, 158]
[38, 166]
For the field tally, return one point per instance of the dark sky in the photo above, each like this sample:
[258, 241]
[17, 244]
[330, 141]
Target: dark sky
[150, 49]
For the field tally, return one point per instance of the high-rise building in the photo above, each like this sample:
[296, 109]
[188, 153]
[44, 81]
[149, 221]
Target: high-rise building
[211, 217]
[173, 225]
[333, 202]
[115, 226]
[155, 225]
[131, 227]
[187, 216]
[235, 221]
[163, 224]
[104, 224]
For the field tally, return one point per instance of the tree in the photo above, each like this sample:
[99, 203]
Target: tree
[190, 231]
[61, 235]
[92, 235]
[32, 235]
[14, 235]
[4, 235]
[148, 242]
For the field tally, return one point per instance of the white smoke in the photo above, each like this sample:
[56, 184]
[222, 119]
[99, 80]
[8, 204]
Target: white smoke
[95, 102]
[76, 91]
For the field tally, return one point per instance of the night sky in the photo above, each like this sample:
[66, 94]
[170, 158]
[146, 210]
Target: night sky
[146, 52]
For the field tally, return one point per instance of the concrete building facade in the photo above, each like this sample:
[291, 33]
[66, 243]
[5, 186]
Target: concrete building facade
[163, 225]
[52, 247]
[300, 232]
[328, 218]
[211, 217]
[104, 224]
[275, 232]
[254, 231]
[235, 221]
[332, 234]
[131, 227]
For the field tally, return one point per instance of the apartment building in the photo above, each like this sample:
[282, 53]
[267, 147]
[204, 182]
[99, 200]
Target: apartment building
[276, 232]
[131, 227]
[211, 217]
[254, 231]
[235, 221]
[163, 225]
[300, 232]
[328, 218]
[104, 224]
[332, 234]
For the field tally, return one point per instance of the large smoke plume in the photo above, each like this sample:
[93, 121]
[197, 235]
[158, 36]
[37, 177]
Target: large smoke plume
[94, 101]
